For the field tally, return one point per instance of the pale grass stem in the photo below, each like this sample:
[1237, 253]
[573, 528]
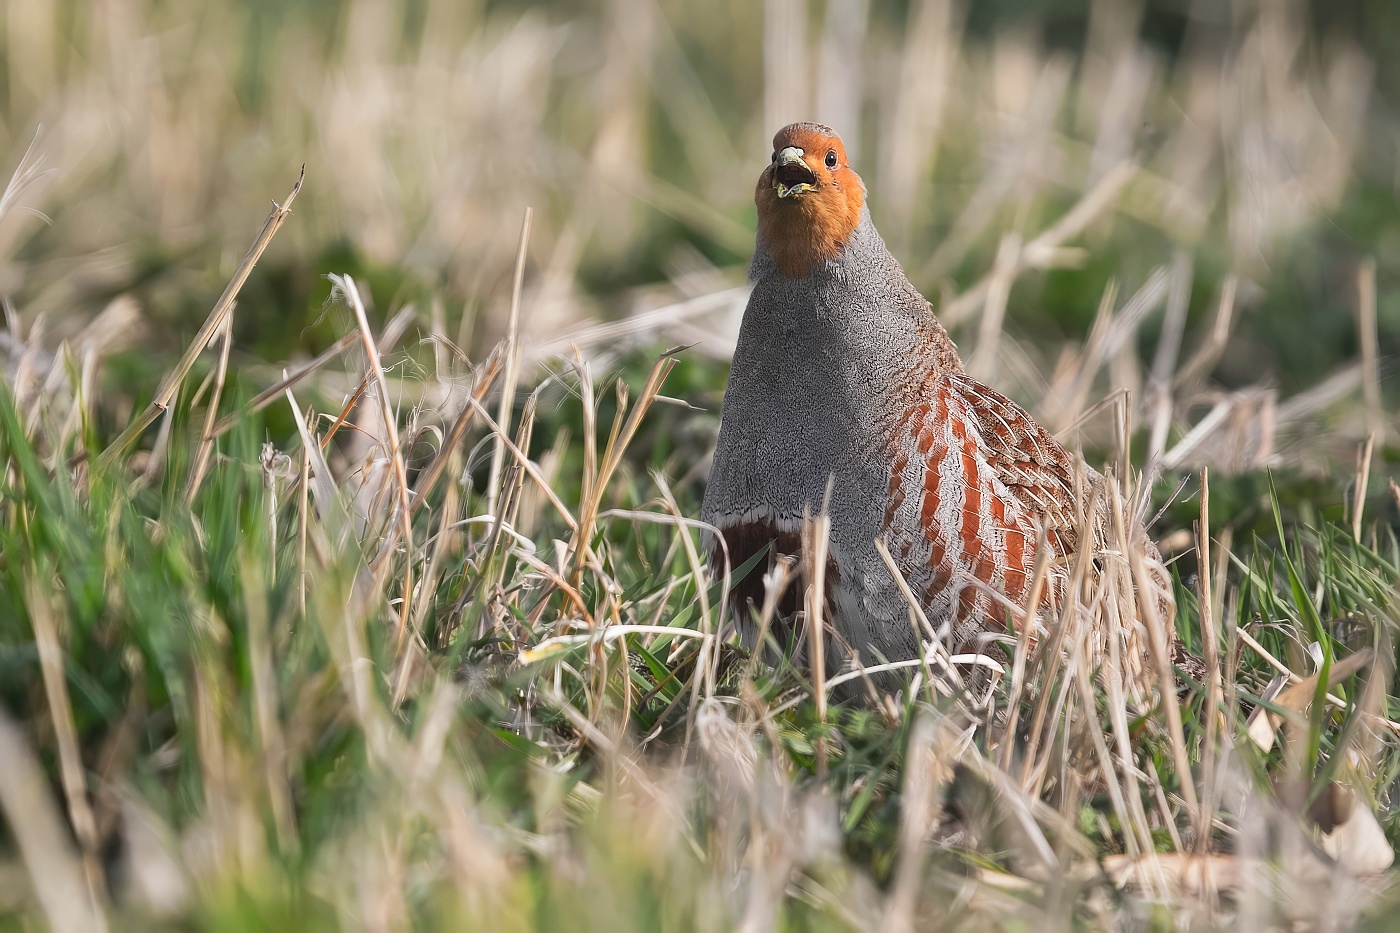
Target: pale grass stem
[512, 362]
[71, 770]
[1363, 478]
[816, 536]
[1210, 649]
[347, 287]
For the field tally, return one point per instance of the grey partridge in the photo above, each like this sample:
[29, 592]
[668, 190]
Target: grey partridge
[843, 372]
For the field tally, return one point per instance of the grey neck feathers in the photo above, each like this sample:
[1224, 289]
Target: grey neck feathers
[824, 368]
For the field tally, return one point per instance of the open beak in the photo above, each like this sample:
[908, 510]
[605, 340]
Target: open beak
[791, 174]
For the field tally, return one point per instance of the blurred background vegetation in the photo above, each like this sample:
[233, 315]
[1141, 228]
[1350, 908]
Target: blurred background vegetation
[1266, 133]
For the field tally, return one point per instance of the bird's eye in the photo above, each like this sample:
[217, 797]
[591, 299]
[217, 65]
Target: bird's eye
[831, 158]
[774, 158]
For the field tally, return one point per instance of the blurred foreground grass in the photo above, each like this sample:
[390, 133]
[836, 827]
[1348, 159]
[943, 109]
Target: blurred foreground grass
[240, 690]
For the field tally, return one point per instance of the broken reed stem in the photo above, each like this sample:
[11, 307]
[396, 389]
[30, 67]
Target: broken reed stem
[222, 309]
[512, 362]
[206, 440]
[352, 293]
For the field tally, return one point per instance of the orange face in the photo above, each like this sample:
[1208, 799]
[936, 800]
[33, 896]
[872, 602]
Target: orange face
[809, 200]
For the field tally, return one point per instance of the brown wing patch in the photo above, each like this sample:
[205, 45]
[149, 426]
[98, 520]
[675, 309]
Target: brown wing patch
[983, 477]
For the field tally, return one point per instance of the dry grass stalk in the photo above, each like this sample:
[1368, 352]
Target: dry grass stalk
[206, 440]
[708, 667]
[1050, 654]
[222, 309]
[482, 381]
[1159, 637]
[530, 469]
[1363, 478]
[392, 332]
[322, 486]
[1024, 638]
[816, 535]
[346, 286]
[71, 771]
[620, 437]
[927, 773]
[948, 681]
[512, 362]
[1210, 651]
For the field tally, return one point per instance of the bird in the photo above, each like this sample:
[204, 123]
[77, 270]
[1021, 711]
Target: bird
[847, 394]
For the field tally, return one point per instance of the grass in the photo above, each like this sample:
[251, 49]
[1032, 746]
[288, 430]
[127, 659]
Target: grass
[410, 625]
[224, 697]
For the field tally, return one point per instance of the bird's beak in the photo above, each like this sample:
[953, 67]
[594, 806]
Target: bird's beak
[791, 175]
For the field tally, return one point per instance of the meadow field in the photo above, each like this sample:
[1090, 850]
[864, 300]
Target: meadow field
[362, 360]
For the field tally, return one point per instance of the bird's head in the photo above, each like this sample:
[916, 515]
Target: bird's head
[809, 199]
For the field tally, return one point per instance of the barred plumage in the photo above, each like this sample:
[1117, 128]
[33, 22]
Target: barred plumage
[972, 480]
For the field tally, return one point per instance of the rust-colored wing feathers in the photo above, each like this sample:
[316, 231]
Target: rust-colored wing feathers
[1034, 466]
[973, 479]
